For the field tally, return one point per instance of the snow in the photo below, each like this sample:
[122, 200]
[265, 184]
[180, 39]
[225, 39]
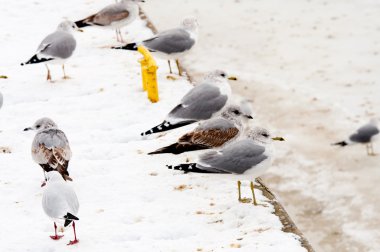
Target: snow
[310, 67]
[128, 201]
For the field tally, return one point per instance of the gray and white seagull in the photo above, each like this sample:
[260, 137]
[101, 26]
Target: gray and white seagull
[204, 101]
[60, 203]
[56, 48]
[212, 133]
[248, 158]
[114, 16]
[50, 147]
[170, 44]
[364, 135]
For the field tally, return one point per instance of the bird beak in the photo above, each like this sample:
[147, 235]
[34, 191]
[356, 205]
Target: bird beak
[278, 139]
[249, 116]
[80, 30]
[26, 129]
[232, 78]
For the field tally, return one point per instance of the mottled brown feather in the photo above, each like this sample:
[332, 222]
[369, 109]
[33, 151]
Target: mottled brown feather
[103, 19]
[211, 138]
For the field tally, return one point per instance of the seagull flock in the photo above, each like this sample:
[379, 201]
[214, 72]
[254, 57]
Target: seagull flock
[227, 141]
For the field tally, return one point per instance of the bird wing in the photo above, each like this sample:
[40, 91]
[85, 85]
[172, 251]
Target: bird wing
[199, 103]
[235, 158]
[59, 44]
[171, 41]
[108, 15]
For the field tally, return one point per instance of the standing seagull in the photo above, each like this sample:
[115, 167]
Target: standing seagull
[56, 48]
[249, 157]
[60, 202]
[211, 133]
[50, 147]
[171, 44]
[364, 135]
[200, 103]
[113, 16]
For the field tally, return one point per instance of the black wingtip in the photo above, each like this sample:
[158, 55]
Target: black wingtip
[81, 24]
[343, 143]
[131, 47]
[70, 216]
[67, 222]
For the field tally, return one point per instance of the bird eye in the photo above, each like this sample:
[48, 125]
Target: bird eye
[38, 126]
[223, 75]
[265, 135]
[236, 112]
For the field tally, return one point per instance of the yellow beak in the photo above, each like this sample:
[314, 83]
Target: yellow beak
[278, 139]
[232, 78]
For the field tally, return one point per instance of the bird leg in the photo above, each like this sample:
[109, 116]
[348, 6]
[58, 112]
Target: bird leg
[179, 68]
[48, 73]
[75, 236]
[254, 197]
[170, 76]
[56, 237]
[121, 37]
[170, 67]
[64, 74]
[372, 153]
[244, 200]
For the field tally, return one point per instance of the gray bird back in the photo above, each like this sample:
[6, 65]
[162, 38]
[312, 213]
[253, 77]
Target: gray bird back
[216, 123]
[59, 44]
[200, 103]
[171, 41]
[51, 138]
[236, 158]
[364, 134]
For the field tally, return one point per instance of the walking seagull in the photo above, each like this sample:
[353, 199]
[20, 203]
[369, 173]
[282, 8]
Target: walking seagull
[56, 48]
[247, 158]
[201, 103]
[60, 203]
[114, 16]
[364, 135]
[211, 133]
[50, 147]
[170, 44]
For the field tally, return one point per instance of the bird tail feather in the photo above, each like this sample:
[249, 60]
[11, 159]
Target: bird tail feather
[178, 148]
[35, 60]
[342, 143]
[165, 126]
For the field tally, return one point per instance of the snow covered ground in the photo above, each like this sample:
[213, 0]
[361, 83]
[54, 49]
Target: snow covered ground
[129, 201]
[311, 68]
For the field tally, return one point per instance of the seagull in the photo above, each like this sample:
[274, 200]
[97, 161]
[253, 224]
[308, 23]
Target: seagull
[211, 133]
[170, 44]
[50, 147]
[113, 16]
[56, 48]
[364, 135]
[201, 103]
[249, 157]
[60, 203]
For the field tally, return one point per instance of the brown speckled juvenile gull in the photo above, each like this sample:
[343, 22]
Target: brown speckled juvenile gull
[211, 133]
[50, 147]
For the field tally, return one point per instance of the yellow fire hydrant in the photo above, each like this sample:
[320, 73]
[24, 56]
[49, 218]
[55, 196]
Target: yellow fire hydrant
[149, 74]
